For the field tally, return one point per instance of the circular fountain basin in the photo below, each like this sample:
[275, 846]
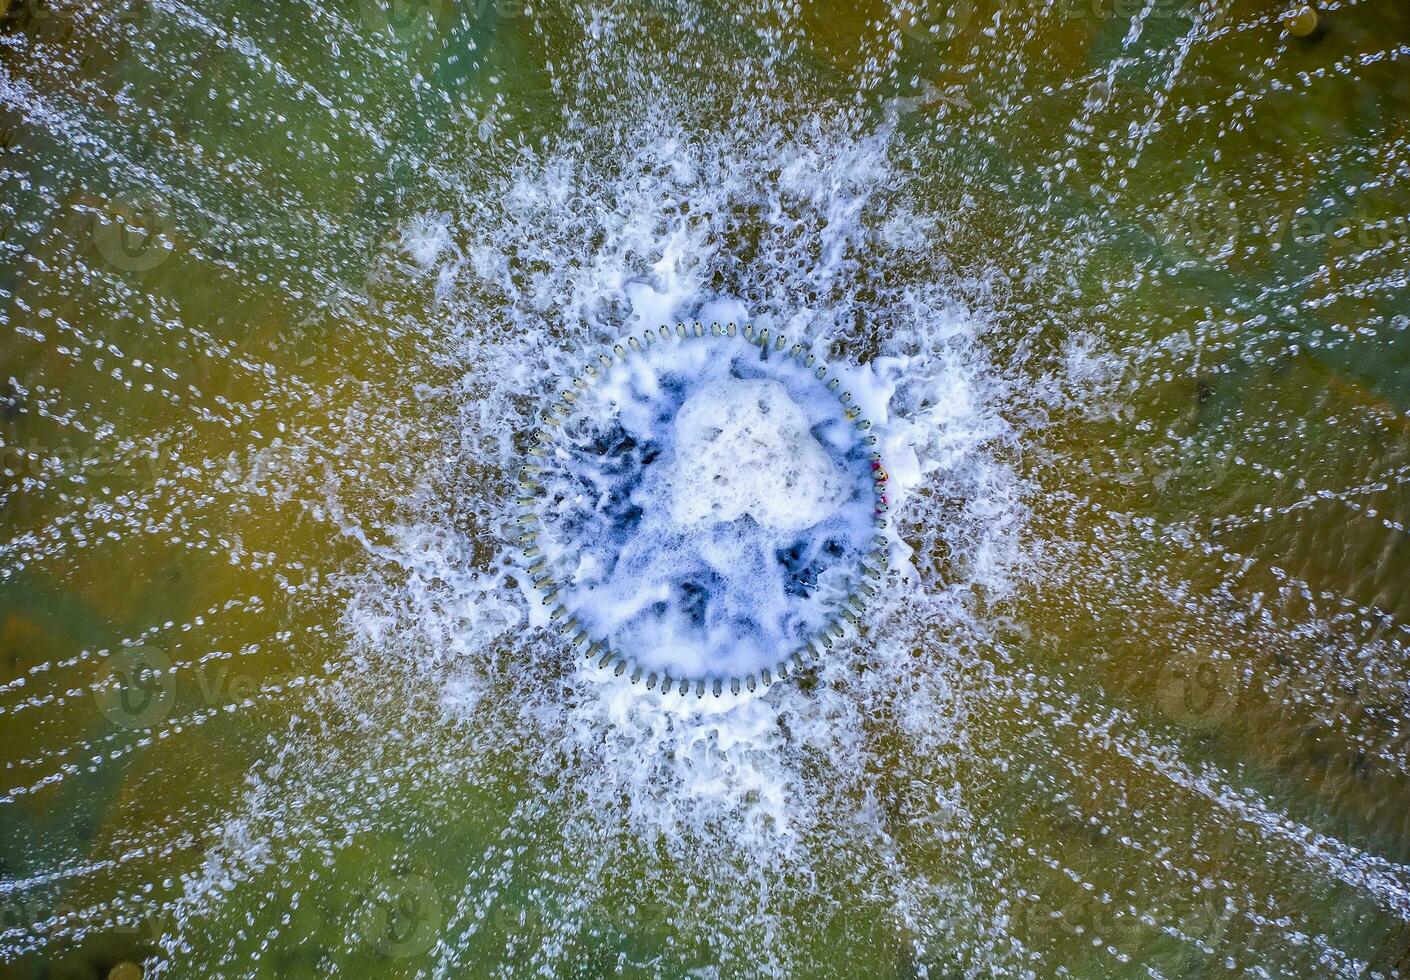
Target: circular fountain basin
[703, 509]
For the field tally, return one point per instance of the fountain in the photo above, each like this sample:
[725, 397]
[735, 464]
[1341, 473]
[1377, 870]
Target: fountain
[287, 288]
[704, 509]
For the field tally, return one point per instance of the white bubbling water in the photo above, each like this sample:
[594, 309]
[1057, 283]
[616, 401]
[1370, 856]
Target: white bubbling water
[705, 509]
[744, 449]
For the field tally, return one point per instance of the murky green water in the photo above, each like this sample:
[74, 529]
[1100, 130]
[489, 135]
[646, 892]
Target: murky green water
[282, 285]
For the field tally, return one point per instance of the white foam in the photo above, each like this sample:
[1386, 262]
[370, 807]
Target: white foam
[743, 447]
[707, 508]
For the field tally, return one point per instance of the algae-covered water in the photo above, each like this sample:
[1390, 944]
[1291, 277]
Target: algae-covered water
[284, 288]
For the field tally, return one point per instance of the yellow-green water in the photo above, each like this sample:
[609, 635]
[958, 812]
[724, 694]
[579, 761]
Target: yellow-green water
[1140, 707]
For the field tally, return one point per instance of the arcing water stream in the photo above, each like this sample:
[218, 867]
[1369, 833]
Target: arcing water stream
[286, 286]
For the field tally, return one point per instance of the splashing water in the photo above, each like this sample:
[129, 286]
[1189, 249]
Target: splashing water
[707, 504]
[287, 287]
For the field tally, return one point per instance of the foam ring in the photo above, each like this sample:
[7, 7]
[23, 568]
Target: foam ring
[557, 412]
